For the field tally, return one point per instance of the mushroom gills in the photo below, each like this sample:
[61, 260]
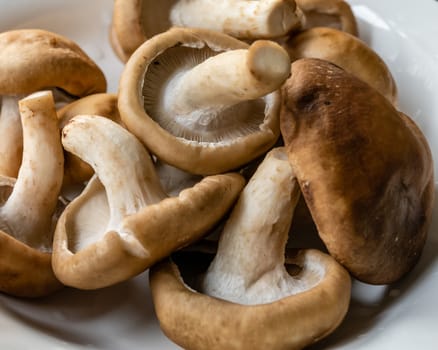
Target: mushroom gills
[221, 123]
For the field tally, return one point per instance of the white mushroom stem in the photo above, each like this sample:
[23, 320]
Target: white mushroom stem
[120, 162]
[28, 211]
[242, 19]
[11, 136]
[249, 264]
[229, 78]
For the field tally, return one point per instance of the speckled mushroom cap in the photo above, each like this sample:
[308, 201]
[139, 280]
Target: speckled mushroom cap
[347, 52]
[197, 321]
[328, 13]
[201, 134]
[42, 59]
[365, 172]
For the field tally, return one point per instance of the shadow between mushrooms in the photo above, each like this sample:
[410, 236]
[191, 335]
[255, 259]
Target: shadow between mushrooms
[365, 170]
[28, 203]
[123, 222]
[247, 298]
[203, 101]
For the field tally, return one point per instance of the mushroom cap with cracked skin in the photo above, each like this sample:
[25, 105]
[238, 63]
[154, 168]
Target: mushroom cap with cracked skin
[197, 321]
[365, 170]
[35, 59]
[328, 13]
[346, 51]
[214, 147]
[76, 171]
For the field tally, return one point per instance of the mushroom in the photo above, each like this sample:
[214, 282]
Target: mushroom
[76, 171]
[28, 203]
[203, 101]
[41, 60]
[365, 171]
[123, 221]
[347, 52]
[247, 298]
[328, 13]
[134, 22]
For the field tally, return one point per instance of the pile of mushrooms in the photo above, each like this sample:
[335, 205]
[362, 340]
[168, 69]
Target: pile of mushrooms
[223, 123]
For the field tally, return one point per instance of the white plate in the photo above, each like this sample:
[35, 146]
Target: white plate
[403, 316]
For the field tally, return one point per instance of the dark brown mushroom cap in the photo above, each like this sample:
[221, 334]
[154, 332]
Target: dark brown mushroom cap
[328, 13]
[346, 51]
[197, 321]
[366, 173]
[34, 59]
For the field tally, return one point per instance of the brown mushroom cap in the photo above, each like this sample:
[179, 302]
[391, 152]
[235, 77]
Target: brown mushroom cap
[41, 60]
[347, 52]
[134, 22]
[198, 321]
[209, 141]
[365, 172]
[328, 13]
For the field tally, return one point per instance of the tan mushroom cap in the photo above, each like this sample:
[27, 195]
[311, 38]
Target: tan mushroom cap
[197, 321]
[328, 13]
[122, 222]
[28, 203]
[347, 52]
[206, 117]
[136, 21]
[33, 60]
[76, 171]
[365, 172]
[42, 59]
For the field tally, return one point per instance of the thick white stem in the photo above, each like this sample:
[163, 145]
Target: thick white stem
[229, 78]
[242, 19]
[11, 136]
[252, 244]
[29, 209]
[120, 162]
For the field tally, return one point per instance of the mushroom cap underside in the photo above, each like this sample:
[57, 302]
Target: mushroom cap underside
[222, 150]
[365, 172]
[86, 256]
[198, 321]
